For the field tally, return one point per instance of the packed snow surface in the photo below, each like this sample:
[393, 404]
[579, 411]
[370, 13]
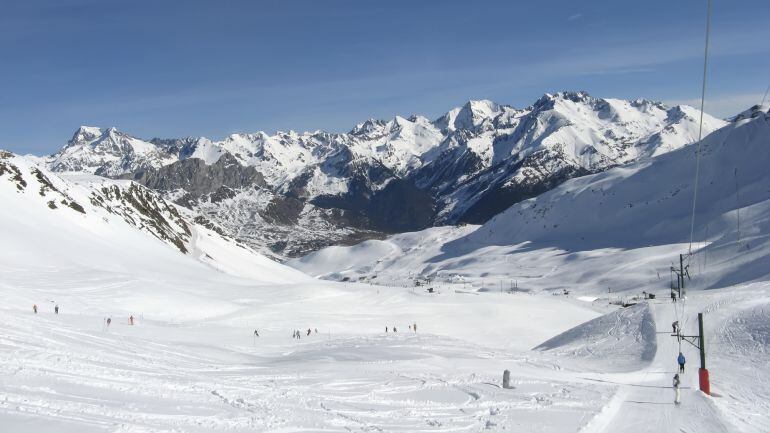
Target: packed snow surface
[191, 362]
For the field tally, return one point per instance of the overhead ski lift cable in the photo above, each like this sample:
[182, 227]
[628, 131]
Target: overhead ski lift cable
[700, 127]
[680, 313]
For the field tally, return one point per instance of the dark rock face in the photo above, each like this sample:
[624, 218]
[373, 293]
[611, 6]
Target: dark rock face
[184, 147]
[145, 209]
[283, 210]
[500, 197]
[446, 169]
[197, 178]
[400, 207]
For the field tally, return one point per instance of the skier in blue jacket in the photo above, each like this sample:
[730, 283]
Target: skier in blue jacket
[680, 359]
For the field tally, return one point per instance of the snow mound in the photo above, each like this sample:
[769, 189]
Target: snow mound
[366, 254]
[748, 332]
[623, 340]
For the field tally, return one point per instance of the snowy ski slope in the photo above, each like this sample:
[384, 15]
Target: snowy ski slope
[192, 363]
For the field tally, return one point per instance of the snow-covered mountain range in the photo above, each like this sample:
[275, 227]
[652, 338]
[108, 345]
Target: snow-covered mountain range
[289, 193]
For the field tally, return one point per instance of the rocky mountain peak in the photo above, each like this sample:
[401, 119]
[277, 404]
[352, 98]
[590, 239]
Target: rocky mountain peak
[752, 113]
[368, 127]
[85, 134]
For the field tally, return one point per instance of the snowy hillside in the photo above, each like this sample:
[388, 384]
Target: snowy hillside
[289, 193]
[98, 218]
[637, 214]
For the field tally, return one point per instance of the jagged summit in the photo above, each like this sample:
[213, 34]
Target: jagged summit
[85, 133]
[470, 115]
[752, 113]
[367, 127]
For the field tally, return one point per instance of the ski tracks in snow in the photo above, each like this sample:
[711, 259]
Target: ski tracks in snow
[644, 401]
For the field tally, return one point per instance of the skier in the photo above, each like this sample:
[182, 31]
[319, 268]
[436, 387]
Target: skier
[676, 388]
[316, 330]
[673, 296]
[34, 308]
[386, 329]
[414, 327]
[675, 326]
[56, 309]
[131, 320]
[109, 320]
[308, 332]
[256, 334]
[680, 359]
[394, 329]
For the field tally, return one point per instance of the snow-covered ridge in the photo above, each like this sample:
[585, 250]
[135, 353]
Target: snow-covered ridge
[116, 211]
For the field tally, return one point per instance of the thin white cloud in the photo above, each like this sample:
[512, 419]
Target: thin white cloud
[574, 17]
[725, 105]
[617, 71]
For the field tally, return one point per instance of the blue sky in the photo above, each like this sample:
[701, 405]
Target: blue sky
[207, 68]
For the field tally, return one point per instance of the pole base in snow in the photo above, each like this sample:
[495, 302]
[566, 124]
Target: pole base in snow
[506, 379]
[705, 385]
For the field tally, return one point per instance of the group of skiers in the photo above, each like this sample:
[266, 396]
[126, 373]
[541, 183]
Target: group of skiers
[107, 320]
[677, 382]
[680, 360]
[55, 308]
[298, 335]
[412, 327]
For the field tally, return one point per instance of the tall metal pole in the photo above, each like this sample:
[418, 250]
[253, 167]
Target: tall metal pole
[702, 342]
[703, 374]
[738, 208]
[681, 275]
